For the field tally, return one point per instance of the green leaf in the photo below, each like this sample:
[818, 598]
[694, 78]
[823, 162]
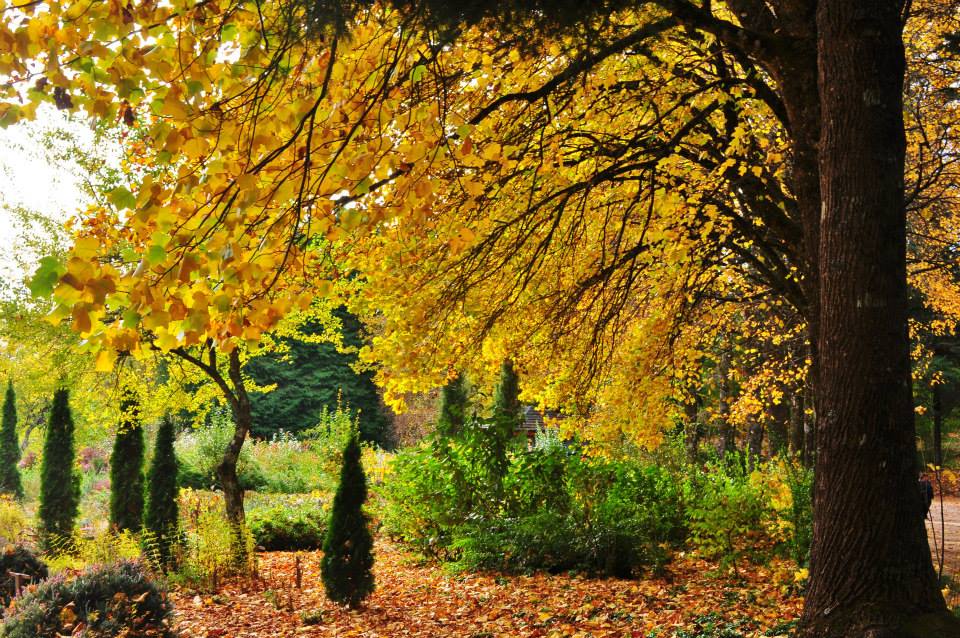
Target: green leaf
[363, 186]
[122, 198]
[46, 277]
[155, 255]
[228, 32]
[130, 255]
[417, 72]
[131, 318]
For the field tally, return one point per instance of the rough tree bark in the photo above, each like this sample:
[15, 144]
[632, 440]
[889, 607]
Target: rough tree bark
[871, 573]
[234, 391]
[242, 411]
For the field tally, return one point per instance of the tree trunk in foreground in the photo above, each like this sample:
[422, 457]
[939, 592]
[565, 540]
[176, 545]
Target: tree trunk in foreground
[871, 573]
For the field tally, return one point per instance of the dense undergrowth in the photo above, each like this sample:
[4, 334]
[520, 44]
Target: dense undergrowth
[556, 508]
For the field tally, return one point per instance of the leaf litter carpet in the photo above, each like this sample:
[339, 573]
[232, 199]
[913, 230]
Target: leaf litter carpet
[412, 599]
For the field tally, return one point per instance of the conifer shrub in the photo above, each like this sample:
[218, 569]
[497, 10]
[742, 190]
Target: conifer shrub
[347, 565]
[21, 560]
[161, 516]
[126, 467]
[453, 407]
[10, 447]
[115, 600]
[506, 419]
[59, 485]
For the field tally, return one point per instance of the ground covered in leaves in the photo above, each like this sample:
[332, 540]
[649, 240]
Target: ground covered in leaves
[692, 599]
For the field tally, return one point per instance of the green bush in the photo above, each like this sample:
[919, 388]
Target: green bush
[289, 526]
[800, 513]
[205, 555]
[327, 439]
[557, 511]
[727, 510]
[19, 559]
[288, 465]
[614, 518]
[114, 600]
[422, 507]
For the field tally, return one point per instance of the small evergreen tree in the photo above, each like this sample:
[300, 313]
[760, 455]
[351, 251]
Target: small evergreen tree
[126, 467]
[506, 419]
[453, 408]
[9, 447]
[506, 401]
[59, 485]
[347, 565]
[161, 514]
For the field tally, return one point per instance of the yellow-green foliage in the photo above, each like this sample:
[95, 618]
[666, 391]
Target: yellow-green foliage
[206, 552]
[13, 520]
[104, 547]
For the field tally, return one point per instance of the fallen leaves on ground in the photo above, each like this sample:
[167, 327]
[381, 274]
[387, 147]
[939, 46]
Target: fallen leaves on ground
[416, 600]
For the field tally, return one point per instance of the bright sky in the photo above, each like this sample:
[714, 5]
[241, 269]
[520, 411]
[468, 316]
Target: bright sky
[31, 178]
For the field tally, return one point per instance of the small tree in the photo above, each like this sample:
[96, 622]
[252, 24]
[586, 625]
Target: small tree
[347, 565]
[506, 420]
[59, 485]
[126, 467]
[453, 408]
[161, 514]
[9, 447]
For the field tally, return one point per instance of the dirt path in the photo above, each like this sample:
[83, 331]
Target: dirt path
[950, 530]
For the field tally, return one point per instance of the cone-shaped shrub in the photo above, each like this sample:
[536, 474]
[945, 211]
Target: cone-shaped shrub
[126, 467]
[453, 408]
[506, 420]
[9, 447]
[59, 486]
[160, 517]
[506, 401]
[347, 565]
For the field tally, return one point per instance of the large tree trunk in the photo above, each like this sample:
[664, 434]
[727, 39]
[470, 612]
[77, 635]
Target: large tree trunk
[871, 573]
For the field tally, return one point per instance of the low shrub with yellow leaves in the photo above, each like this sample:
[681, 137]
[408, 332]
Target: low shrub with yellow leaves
[207, 553]
[80, 552]
[13, 520]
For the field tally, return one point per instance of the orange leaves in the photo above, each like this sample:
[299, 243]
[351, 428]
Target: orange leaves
[419, 601]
